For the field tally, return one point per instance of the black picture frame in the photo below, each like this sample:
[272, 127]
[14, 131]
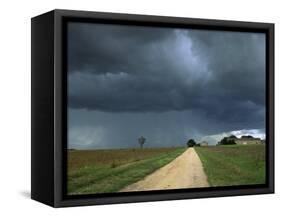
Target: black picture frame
[49, 108]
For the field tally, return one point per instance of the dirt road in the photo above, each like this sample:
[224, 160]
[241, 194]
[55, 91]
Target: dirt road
[186, 171]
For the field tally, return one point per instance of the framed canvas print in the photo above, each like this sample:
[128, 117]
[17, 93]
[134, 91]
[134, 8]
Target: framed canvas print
[131, 108]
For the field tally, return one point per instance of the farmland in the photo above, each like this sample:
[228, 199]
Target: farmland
[229, 165]
[104, 171]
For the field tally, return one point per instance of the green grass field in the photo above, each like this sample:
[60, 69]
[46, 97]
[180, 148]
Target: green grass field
[104, 171]
[233, 164]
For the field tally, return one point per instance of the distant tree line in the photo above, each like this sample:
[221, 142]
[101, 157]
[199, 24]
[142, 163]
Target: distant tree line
[228, 140]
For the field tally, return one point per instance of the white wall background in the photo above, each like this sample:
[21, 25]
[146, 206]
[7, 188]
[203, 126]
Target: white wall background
[15, 106]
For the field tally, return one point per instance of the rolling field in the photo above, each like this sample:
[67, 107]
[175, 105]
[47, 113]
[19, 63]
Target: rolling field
[104, 171]
[233, 164]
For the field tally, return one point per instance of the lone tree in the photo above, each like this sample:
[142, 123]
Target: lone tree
[141, 141]
[191, 143]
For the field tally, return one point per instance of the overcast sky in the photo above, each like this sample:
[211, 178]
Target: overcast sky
[166, 84]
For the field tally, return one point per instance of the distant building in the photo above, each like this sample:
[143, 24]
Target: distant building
[244, 140]
[204, 143]
[248, 140]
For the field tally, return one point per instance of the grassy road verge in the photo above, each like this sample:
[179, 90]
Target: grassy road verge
[112, 170]
[233, 164]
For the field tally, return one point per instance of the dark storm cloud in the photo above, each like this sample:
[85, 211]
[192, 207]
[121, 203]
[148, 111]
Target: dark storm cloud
[237, 61]
[110, 48]
[165, 84]
[140, 69]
